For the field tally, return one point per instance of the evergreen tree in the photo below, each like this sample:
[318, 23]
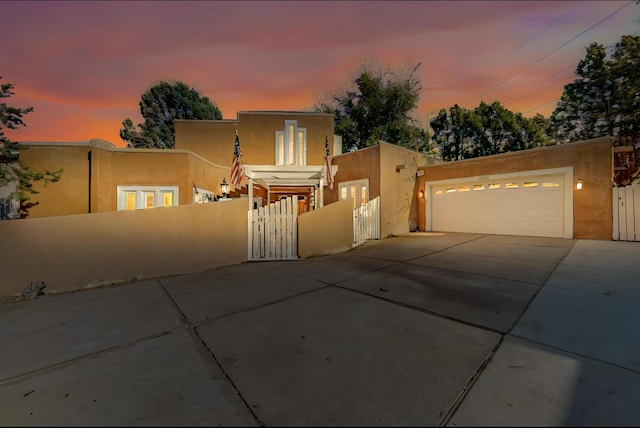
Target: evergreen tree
[604, 99]
[160, 106]
[14, 173]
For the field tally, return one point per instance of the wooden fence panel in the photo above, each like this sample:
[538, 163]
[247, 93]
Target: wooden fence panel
[626, 213]
[274, 231]
[366, 222]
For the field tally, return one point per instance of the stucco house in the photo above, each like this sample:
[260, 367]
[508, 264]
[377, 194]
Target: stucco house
[532, 192]
[97, 226]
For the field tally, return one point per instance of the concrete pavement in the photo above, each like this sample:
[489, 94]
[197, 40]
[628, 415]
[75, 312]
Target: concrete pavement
[423, 329]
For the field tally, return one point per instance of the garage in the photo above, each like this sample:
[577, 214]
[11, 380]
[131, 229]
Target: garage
[529, 203]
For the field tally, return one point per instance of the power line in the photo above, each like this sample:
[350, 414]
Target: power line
[555, 50]
[537, 35]
[539, 83]
[541, 105]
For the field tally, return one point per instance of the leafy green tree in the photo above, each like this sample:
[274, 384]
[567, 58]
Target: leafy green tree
[377, 105]
[456, 133]
[604, 99]
[160, 106]
[14, 173]
[488, 129]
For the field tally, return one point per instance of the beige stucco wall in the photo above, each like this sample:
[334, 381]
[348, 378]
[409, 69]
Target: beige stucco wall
[356, 165]
[214, 139]
[397, 195]
[70, 195]
[592, 160]
[101, 167]
[398, 213]
[328, 230]
[86, 250]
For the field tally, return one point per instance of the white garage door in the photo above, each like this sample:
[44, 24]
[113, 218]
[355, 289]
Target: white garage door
[527, 205]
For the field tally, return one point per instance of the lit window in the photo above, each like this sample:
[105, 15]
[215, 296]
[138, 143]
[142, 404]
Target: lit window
[438, 192]
[478, 187]
[354, 189]
[141, 197]
[130, 200]
[511, 185]
[495, 186]
[167, 198]
[148, 199]
[530, 184]
[463, 189]
[450, 190]
[550, 184]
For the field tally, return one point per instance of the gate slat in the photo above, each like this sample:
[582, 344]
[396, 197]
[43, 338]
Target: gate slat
[629, 213]
[294, 229]
[616, 220]
[636, 211]
[288, 227]
[622, 214]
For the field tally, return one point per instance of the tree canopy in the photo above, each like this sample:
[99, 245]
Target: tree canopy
[377, 105]
[160, 106]
[488, 129]
[604, 99]
[14, 172]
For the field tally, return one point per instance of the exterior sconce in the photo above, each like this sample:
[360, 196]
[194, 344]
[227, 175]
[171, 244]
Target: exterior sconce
[224, 188]
[579, 184]
[421, 193]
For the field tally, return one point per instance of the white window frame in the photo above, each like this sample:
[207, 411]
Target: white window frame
[158, 200]
[358, 185]
[294, 153]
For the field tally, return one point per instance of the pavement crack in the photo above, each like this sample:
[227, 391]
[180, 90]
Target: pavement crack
[448, 414]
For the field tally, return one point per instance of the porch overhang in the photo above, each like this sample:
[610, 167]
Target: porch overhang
[287, 175]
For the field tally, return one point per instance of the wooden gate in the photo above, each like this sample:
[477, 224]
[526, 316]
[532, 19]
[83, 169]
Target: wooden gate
[273, 231]
[366, 222]
[626, 213]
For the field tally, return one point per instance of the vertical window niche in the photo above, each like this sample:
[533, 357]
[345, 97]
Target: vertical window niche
[291, 144]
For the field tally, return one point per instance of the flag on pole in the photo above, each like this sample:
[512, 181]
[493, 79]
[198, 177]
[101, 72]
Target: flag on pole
[327, 159]
[236, 166]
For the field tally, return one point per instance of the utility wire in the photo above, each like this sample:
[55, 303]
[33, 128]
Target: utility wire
[541, 105]
[535, 37]
[555, 50]
[539, 83]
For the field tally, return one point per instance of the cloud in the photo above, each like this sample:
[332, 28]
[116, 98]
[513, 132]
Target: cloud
[92, 61]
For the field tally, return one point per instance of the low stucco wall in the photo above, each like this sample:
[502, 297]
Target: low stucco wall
[328, 230]
[87, 250]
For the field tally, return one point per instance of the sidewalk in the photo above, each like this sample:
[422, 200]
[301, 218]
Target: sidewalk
[424, 329]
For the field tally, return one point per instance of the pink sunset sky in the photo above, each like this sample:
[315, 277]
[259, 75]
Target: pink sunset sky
[83, 66]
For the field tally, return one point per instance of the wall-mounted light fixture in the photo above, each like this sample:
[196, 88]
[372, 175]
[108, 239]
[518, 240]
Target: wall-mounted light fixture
[579, 184]
[421, 193]
[224, 188]
[399, 167]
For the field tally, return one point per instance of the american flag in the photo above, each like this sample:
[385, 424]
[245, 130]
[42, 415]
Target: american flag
[236, 166]
[327, 160]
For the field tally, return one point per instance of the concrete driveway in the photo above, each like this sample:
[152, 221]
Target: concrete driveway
[423, 329]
